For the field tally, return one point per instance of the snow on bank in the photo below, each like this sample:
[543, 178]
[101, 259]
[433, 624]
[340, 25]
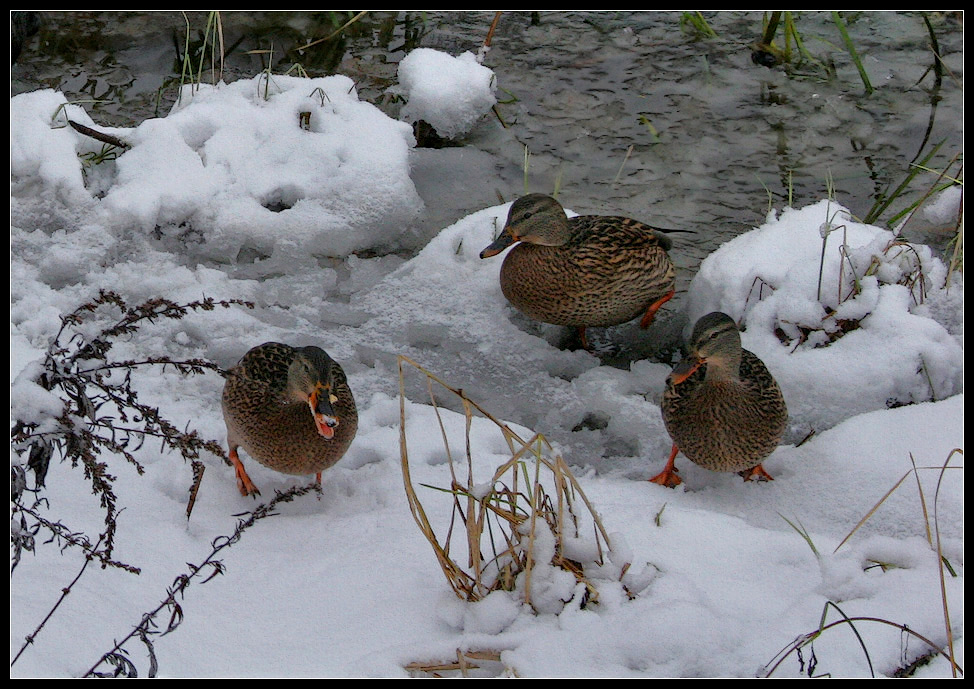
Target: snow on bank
[450, 93]
[274, 170]
[345, 585]
[845, 314]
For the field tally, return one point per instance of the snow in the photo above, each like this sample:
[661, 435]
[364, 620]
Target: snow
[450, 93]
[779, 287]
[229, 197]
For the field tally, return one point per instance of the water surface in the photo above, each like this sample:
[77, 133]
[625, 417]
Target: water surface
[632, 113]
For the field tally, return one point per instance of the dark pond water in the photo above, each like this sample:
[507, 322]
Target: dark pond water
[634, 113]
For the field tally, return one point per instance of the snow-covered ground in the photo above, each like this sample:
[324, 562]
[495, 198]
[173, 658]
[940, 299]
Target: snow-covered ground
[238, 195]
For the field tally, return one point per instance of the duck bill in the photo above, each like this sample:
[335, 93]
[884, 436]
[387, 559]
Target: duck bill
[322, 412]
[504, 240]
[685, 369]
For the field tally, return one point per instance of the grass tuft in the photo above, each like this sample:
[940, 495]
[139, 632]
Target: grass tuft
[500, 531]
[695, 23]
[211, 44]
[853, 53]
[803, 532]
[805, 642]
[933, 533]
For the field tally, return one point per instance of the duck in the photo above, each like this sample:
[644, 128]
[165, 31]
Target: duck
[581, 272]
[722, 406]
[290, 408]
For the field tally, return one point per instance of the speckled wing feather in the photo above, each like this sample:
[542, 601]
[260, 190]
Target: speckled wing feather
[268, 364]
[609, 272]
[611, 246]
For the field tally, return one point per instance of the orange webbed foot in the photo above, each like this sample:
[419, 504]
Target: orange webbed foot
[756, 474]
[669, 477]
[316, 485]
[244, 484]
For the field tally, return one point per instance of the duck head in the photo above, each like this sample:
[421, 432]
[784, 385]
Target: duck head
[716, 342]
[534, 219]
[312, 377]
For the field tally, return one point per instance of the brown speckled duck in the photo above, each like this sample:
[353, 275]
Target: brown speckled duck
[290, 408]
[587, 271]
[722, 407]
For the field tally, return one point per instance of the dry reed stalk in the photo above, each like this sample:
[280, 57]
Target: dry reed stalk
[923, 504]
[465, 662]
[501, 525]
[933, 538]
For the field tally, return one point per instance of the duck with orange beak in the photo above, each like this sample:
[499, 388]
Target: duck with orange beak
[722, 407]
[581, 272]
[290, 408]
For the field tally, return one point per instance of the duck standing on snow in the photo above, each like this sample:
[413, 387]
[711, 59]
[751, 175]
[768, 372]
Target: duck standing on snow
[290, 408]
[722, 407]
[587, 271]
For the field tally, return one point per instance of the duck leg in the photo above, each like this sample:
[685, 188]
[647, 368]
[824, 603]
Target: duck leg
[756, 474]
[654, 307]
[668, 477]
[244, 484]
[582, 338]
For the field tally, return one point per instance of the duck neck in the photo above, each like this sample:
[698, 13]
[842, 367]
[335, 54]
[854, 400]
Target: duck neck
[724, 369]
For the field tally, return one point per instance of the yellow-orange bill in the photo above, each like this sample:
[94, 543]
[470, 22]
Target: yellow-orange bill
[326, 425]
[684, 370]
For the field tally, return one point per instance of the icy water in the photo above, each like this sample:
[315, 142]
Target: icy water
[632, 113]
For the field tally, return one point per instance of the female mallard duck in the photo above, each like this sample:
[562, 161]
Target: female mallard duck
[722, 407]
[590, 270]
[290, 408]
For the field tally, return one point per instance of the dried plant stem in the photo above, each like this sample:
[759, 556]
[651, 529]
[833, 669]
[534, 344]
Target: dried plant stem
[459, 580]
[493, 27]
[875, 507]
[210, 566]
[932, 538]
[806, 639]
[941, 561]
[623, 164]
[335, 32]
[100, 414]
[503, 511]
[462, 664]
[98, 136]
[29, 639]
